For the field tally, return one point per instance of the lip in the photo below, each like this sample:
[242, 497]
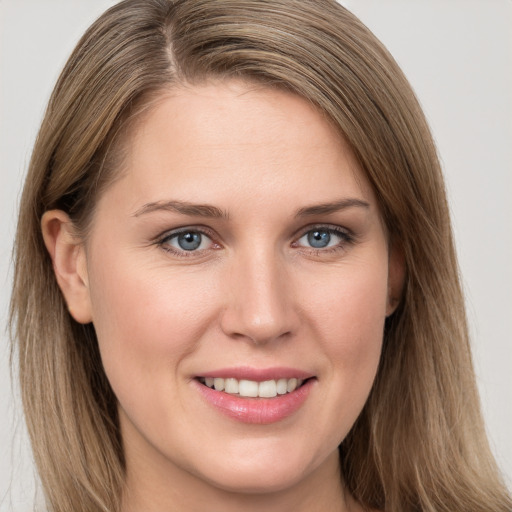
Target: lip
[261, 411]
[258, 374]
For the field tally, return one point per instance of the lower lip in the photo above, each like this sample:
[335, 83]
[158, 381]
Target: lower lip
[256, 410]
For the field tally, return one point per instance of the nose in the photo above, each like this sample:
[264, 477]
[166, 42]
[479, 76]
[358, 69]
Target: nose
[259, 306]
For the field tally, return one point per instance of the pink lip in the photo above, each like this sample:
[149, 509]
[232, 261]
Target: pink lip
[258, 374]
[255, 410]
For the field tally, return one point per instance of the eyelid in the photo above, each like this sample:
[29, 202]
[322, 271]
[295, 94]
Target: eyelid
[346, 235]
[167, 235]
[333, 228]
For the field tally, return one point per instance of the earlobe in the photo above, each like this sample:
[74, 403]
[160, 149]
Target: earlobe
[396, 278]
[69, 263]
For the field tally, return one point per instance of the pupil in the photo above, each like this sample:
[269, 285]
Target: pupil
[189, 241]
[319, 239]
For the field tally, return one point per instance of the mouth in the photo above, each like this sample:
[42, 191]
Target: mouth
[257, 396]
[253, 389]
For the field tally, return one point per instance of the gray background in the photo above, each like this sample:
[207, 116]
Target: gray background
[458, 57]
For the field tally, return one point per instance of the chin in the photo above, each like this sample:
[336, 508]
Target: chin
[280, 471]
[252, 482]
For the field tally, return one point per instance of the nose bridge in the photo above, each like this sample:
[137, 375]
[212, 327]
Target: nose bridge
[259, 307]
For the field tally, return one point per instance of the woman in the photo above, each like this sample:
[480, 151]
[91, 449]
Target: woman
[247, 293]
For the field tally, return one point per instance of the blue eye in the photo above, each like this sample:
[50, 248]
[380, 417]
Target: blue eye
[319, 239]
[323, 238]
[188, 241]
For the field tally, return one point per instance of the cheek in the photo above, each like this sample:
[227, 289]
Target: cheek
[360, 326]
[348, 313]
[349, 306]
[147, 319]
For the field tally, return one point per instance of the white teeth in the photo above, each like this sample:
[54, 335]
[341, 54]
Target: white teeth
[218, 383]
[231, 386]
[267, 389]
[282, 386]
[292, 385]
[248, 388]
[251, 388]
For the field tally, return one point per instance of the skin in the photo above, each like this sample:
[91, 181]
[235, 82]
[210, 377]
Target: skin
[254, 294]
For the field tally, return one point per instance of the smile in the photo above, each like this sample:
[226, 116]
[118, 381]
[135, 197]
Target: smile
[251, 388]
[256, 396]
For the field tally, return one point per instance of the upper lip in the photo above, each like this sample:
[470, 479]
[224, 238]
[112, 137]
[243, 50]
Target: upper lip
[257, 374]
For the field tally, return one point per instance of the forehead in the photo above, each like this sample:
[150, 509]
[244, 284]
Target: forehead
[198, 127]
[218, 141]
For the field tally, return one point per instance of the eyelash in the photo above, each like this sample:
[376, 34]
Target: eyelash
[346, 236]
[163, 241]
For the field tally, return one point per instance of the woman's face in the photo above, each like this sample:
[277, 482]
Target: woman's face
[241, 248]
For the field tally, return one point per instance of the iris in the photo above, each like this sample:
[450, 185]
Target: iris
[319, 239]
[189, 241]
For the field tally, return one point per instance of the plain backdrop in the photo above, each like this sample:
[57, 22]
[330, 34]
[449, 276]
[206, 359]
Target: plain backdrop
[457, 55]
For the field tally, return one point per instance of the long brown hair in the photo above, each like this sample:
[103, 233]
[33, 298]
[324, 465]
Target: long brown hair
[419, 443]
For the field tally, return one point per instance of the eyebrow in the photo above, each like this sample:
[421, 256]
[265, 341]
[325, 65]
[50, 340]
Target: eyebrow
[332, 207]
[209, 211]
[183, 207]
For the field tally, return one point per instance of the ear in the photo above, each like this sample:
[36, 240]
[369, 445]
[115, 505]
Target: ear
[396, 277]
[69, 263]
